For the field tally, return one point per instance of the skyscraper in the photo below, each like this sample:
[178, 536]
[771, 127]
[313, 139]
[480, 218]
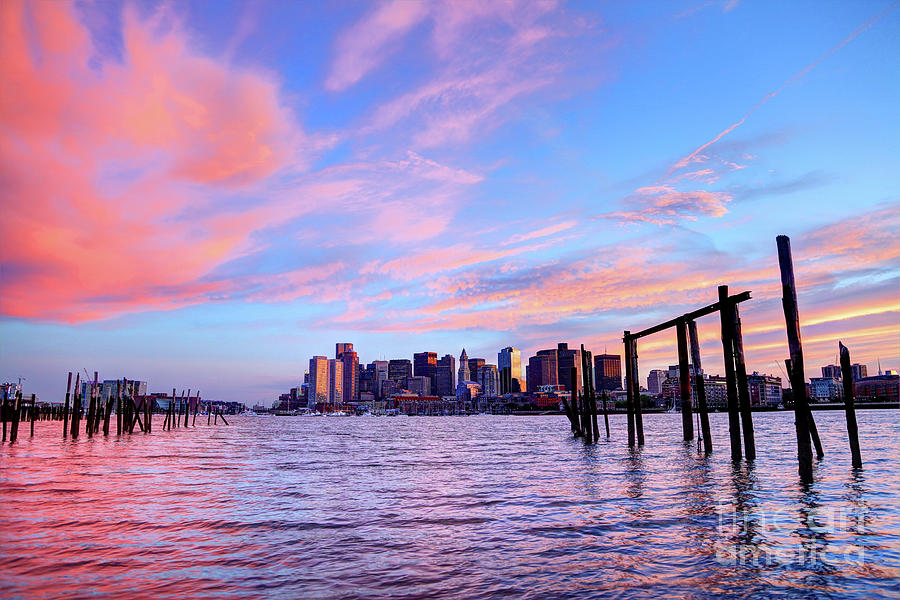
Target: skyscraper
[317, 390]
[445, 376]
[489, 380]
[567, 360]
[608, 372]
[381, 375]
[474, 365]
[509, 363]
[335, 381]
[655, 380]
[541, 370]
[350, 369]
[399, 369]
[463, 374]
[424, 365]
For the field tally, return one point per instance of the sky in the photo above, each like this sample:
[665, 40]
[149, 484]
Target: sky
[206, 195]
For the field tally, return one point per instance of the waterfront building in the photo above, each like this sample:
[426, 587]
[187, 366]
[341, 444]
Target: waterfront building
[445, 376]
[335, 381]
[366, 379]
[878, 388]
[655, 379]
[399, 369]
[859, 371]
[110, 387]
[318, 381]
[467, 391]
[350, 371]
[608, 372]
[765, 390]
[509, 363]
[489, 380]
[463, 374]
[825, 389]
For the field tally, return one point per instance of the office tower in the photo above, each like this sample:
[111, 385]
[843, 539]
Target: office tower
[381, 375]
[367, 379]
[335, 381]
[859, 371]
[463, 374]
[567, 360]
[424, 365]
[350, 360]
[541, 370]
[445, 376]
[509, 362]
[655, 380]
[399, 369]
[474, 365]
[489, 380]
[342, 347]
[607, 372]
[317, 390]
[831, 371]
[419, 385]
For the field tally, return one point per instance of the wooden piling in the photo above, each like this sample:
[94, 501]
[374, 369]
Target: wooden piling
[850, 406]
[221, 414]
[209, 414]
[636, 386]
[605, 414]
[187, 408]
[33, 413]
[14, 427]
[629, 389]
[76, 407]
[684, 381]
[700, 386]
[726, 320]
[216, 422]
[196, 408]
[802, 414]
[743, 386]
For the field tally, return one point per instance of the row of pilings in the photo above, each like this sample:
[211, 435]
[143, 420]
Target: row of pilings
[582, 410]
[132, 412]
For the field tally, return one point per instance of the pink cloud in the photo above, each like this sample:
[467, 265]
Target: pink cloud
[367, 44]
[662, 204]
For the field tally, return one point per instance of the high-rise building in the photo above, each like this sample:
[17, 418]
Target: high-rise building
[608, 372]
[399, 369]
[765, 390]
[831, 371]
[489, 380]
[567, 359]
[419, 385]
[424, 365]
[317, 390]
[541, 370]
[509, 363]
[463, 374]
[366, 379]
[859, 371]
[474, 365]
[350, 370]
[335, 381]
[655, 379]
[381, 375]
[445, 376]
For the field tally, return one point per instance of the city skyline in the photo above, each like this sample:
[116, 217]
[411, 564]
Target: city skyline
[211, 200]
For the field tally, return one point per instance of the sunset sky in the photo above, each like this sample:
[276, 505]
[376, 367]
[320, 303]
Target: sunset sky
[206, 194]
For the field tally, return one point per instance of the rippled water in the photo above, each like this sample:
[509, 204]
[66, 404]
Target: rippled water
[461, 507]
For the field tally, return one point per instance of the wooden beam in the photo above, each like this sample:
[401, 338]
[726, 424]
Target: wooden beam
[691, 316]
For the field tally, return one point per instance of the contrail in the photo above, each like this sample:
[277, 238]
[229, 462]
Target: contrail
[862, 28]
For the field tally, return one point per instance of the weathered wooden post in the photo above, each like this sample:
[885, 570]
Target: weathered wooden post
[221, 414]
[636, 386]
[196, 408]
[734, 421]
[605, 414]
[684, 381]
[849, 405]
[209, 415]
[14, 426]
[76, 407]
[33, 413]
[740, 368]
[187, 408]
[629, 390]
[700, 386]
[802, 414]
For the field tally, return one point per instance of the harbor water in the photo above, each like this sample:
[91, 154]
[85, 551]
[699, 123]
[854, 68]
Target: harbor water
[447, 507]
